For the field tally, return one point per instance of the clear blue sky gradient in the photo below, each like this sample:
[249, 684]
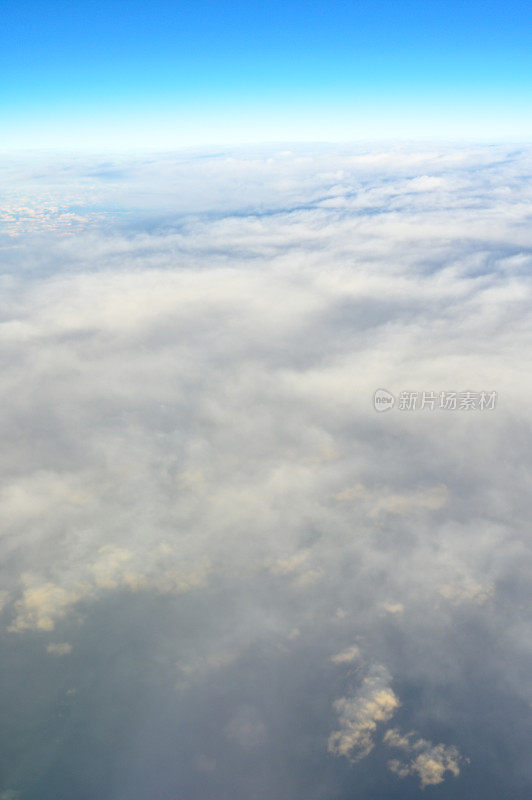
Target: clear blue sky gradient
[166, 72]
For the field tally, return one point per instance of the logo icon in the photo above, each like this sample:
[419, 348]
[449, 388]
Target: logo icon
[383, 400]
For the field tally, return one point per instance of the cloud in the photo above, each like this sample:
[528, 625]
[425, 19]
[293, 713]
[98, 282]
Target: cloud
[199, 497]
[359, 715]
[363, 711]
[432, 498]
[466, 591]
[59, 649]
[393, 608]
[347, 656]
[41, 605]
[430, 762]
[432, 765]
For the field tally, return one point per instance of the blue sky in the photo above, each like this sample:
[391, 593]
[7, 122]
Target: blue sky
[165, 72]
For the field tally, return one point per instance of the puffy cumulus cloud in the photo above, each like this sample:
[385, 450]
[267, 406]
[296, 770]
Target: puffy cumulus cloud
[360, 714]
[430, 762]
[40, 605]
[199, 497]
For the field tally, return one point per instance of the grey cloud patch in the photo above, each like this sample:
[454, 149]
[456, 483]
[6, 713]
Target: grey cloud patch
[59, 648]
[260, 577]
[246, 728]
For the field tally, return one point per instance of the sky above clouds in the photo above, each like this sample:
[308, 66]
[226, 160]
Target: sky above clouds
[224, 574]
[168, 74]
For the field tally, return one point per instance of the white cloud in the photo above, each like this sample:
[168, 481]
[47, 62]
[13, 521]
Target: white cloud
[187, 409]
[41, 605]
[430, 762]
[359, 715]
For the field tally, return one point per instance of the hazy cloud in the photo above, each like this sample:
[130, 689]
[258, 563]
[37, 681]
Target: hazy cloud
[59, 649]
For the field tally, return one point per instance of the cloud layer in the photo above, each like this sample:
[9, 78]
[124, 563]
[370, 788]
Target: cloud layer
[224, 573]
